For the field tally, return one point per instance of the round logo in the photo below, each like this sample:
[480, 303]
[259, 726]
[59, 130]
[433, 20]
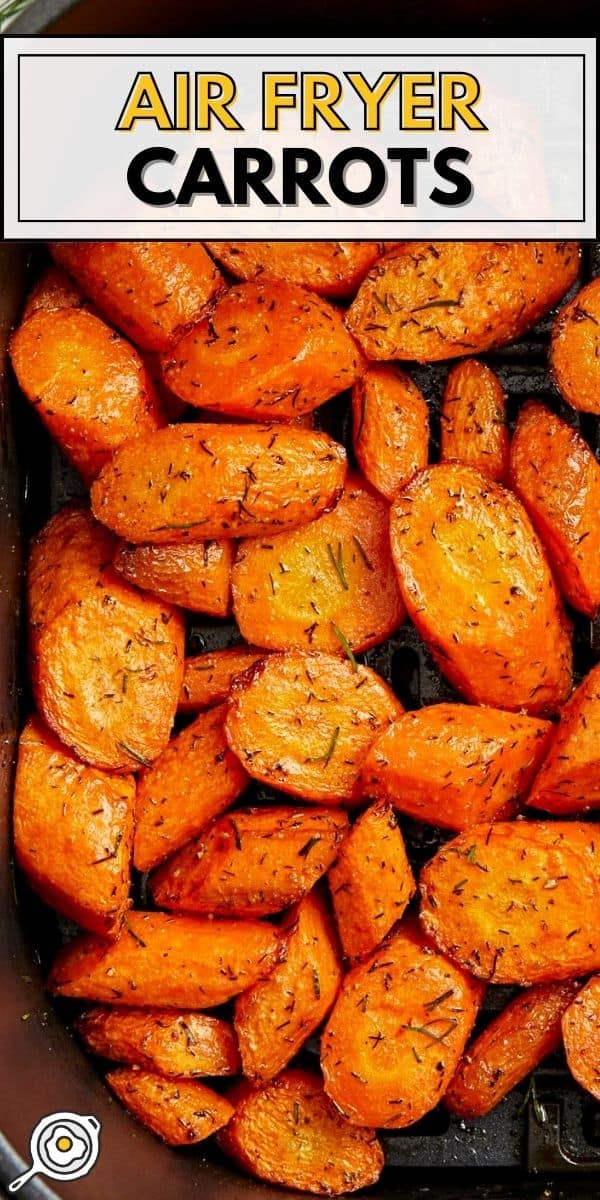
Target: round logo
[63, 1145]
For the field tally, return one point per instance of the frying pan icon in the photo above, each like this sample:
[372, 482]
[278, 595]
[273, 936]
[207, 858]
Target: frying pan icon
[63, 1145]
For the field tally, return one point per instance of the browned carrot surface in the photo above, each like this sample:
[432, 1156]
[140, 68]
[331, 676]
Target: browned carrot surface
[511, 1046]
[151, 290]
[397, 1032]
[53, 289]
[287, 1132]
[371, 881]
[251, 862]
[274, 1018]
[179, 1044]
[581, 1035]
[73, 831]
[194, 779]
[517, 902]
[177, 1110]
[304, 723]
[269, 351]
[473, 419]
[207, 481]
[432, 300]
[390, 428]
[208, 677]
[329, 268]
[166, 961]
[317, 587]
[88, 385]
[195, 576]
[575, 349]
[557, 478]
[569, 779]
[106, 661]
[456, 765]
[477, 585]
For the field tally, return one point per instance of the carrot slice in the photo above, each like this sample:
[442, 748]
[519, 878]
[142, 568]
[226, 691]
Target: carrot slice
[303, 723]
[152, 290]
[274, 1018]
[204, 481]
[73, 831]
[194, 779]
[176, 1110]
[581, 1035]
[287, 1132]
[371, 881]
[166, 961]
[195, 576]
[473, 419]
[328, 268]
[455, 765]
[322, 586]
[180, 1044]
[512, 1045]
[252, 862]
[574, 349]
[465, 552]
[557, 478]
[89, 386]
[397, 1032]
[433, 300]
[270, 350]
[53, 289]
[390, 426]
[107, 662]
[569, 779]
[208, 677]
[517, 902]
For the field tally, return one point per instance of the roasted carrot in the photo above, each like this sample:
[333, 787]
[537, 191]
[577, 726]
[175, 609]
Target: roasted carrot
[581, 1035]
[73, 831]
[180, 1044]
[208, 677]
[106, 661]
[390, 428]
[195, 576]
[473, 419]
[288, 1132]
[575, 349]
[274, 1018]
[371, 881]
[88, 385]
[270, 350]
[208, 481]
[53, 289]
[319, 587]
[512, 1045]
[177, 1110]
[433, 300]
[303, 723]
[194, 779]
[397, 1031]
[252, 862]
[557, 478]
[569, 779]
[477, 585]
[166, 961]
[456, 765]
[328, 268]
[517, 902]
[151, 290]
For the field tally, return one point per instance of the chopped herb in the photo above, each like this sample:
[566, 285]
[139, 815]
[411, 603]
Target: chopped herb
[316, 983]
[363, 553]
[439, 999]
[138, 758]
[326, 757]
[306, 849]
[343, 640]
[436, 304]
[338, 564]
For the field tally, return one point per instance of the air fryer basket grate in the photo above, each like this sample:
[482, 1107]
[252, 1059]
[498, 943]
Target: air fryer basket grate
[548, 1125]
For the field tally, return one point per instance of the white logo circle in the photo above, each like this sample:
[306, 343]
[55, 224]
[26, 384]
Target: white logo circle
[63, 1145]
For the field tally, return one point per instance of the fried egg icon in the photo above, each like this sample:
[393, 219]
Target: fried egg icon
[63, 1145]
